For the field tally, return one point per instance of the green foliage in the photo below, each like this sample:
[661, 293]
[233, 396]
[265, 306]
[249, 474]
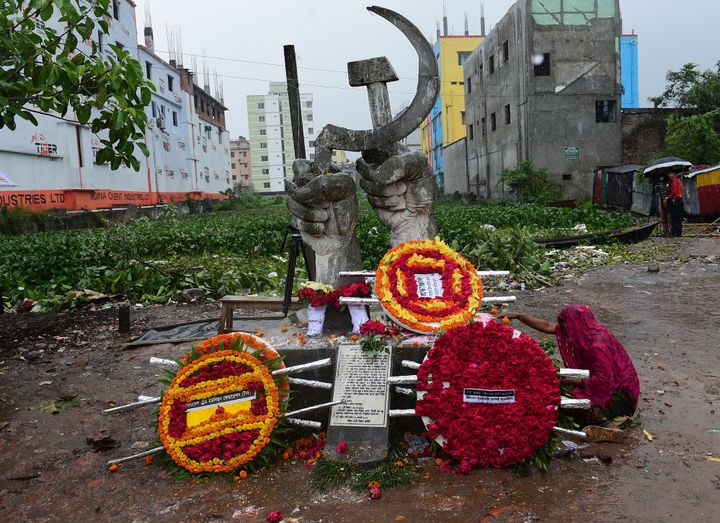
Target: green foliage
[374, 345]
[45, 71]
[694, 138]
[151, 260]
[16, 220]
[691, 88]
[694, 135]
[148, 260]
[531, 185]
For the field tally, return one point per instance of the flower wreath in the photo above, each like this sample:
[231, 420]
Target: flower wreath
[448, 296]
[222, 404]
[488, 394]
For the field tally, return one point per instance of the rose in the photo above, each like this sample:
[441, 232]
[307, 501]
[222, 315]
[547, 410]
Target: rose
[371, 327]
[341, 448]
[274, 517]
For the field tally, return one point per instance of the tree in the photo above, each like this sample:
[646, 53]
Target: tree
[530, 184]
[45, 71]
[694, 138]
[693, 134]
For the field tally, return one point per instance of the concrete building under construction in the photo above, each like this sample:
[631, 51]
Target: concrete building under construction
[545, 86]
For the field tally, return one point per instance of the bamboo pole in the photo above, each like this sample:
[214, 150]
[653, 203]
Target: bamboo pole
[303, 367]
[135, 456]
[313, 407]
[311, 383]
[402, 380]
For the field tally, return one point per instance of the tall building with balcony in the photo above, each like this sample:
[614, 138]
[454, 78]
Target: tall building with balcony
[240, 162]
[271, 142]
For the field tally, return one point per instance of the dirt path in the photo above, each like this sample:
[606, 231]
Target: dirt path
[668, 320]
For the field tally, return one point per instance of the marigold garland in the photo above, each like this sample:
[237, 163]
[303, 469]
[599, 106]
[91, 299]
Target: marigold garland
[225, 364]
[397, 288]
[491, 358]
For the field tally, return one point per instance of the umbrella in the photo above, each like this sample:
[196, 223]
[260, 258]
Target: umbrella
[662, 164]
[5, 181]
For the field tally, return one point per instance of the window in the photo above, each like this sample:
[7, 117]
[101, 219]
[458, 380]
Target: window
[116, 9]
[261, 105]
[100, 41]
[312, 143]
[491, 64]
[462, 117]
[606, 111]
[472, 132]
[263, 145]
[162, 110]
[506, 52]
[266, 185]
[481, 72]
[507, 114]
[493, 121]
[463, 56]
[263, 132]
[311, 130]
[541, 62]
[175, 119]
[170, 83]
[266, 171]
[263, 158]
[261, 118]
[309, 118]
[308, 104]
[234, 177]
[232, 166]
[208, 131]
[232, 154]
[469, 85]
[153, 107]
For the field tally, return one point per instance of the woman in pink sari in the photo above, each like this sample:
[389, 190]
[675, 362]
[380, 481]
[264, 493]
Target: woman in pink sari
[585, 343]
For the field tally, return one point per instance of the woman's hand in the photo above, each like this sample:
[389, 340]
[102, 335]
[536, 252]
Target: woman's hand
[510, 315]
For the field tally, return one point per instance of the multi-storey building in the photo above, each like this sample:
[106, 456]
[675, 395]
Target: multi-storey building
[446, 123]
[240, 162]
[545, 86]
[271, 141]
[53, 163]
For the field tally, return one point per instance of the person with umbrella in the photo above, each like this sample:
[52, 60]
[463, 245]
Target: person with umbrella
[672, 200]
[674, 203]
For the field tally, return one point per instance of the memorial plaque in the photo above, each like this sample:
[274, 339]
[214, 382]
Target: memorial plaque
[362, 420]
[361, 382]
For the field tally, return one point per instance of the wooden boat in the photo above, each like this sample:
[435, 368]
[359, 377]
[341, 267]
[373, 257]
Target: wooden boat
[633, 235]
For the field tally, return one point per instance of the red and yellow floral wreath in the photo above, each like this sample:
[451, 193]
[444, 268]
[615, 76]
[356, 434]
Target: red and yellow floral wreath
[222, 365]
[396, 286]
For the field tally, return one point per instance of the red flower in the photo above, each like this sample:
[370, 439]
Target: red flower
[341, 447]
[274, 517]
[372, 327]
[375, 492]
[488, 358]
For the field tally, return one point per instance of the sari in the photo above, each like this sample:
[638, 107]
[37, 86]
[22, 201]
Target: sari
[585, 343]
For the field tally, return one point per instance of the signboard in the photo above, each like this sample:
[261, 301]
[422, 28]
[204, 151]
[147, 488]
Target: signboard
[361, 381]
[494, 397]
[199, 411]
[571, 153]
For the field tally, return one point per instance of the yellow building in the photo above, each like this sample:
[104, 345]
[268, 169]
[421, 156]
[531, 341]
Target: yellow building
[446, 123]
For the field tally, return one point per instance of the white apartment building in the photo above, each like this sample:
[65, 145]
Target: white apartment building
[271, 141]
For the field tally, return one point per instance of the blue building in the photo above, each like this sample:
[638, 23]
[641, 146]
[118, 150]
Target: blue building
[629, 66]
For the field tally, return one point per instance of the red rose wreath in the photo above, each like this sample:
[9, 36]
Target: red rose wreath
[488, 396]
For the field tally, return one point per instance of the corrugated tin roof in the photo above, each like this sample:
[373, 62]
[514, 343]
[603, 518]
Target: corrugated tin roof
[702, 171]
[625, 169]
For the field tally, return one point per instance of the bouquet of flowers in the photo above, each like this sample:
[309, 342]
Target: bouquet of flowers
[318, 296]
[358, 311]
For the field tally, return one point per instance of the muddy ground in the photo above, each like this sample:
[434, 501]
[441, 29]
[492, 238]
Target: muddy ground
[669, 321]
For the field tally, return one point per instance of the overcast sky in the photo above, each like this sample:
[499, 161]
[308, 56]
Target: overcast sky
[329, 33]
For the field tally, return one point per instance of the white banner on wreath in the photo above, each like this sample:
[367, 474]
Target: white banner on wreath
[429, 285]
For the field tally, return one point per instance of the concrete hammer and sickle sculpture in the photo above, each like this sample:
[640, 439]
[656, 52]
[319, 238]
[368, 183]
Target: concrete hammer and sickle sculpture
[400, 184]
